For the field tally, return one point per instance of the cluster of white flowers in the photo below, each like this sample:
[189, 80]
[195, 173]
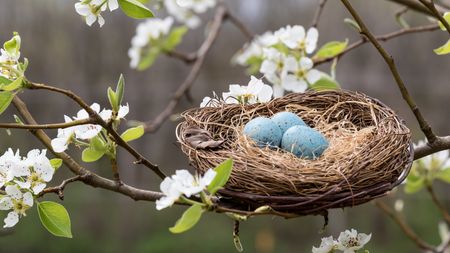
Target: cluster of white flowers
[348, 241]
[282, 56]
[255, 92]
[91, 10]
[87, 131]
[185, 11]
[183, 183]
[21, 178]
[147, 32]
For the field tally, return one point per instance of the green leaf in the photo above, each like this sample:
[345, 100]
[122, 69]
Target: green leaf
[331, 49]
[133, 133]
[97, 144]
[13, 85]
[174, 38]
[414, 185]
[120, 89]
[445, 49]
[5, 99]
[444, 175]
[113, 99]
[352, 23]
[223, 174]
[149, 58]
[447, 18]
[4, 80]
[325, 83]
[135, 9]
[189, 218]
[55, 218]
[12, 46]
[91, 155]
[56, 163]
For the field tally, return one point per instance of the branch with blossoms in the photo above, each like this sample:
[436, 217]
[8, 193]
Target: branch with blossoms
[285, 61]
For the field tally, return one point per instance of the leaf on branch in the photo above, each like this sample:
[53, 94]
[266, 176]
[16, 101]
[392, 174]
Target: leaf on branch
[174, 38]
[201, 139]
[5, 99]
[55, 218]
[91, 155]
[149, 58]
[445, 49]
[188, 220]
[223, 174]
[447, 18]
[352, 23]
[133, 133]
[331, 49]
[16, 84]
[325, 83]
[56, 163]
[135, 9]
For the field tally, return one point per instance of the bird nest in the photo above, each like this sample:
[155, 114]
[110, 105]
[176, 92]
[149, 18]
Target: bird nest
[369, 152]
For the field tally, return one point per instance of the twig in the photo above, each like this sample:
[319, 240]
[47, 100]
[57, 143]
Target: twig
[240, 25]
[384, 38]
[432, 8]
[318, 13]
[438, 204]
[115, 171]
[219, 17]
[90, 178]
[404, 226]
[187, 58]
[47, 126]
[92, 114]
[59, 190]
[425, 127]
[414, 5]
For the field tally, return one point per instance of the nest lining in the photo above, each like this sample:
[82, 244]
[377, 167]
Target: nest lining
[369, 151]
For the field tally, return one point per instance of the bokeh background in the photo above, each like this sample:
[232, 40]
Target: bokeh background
[65, 52]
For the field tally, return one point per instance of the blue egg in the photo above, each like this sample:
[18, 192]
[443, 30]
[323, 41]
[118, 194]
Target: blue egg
[304, 142]
[264, 132]
[286, 120]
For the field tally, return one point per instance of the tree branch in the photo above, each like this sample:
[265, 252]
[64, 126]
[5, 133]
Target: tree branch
[219, 18]
[47, 126]
[384, 38]
[438, 204]
[318, 13]
[425, 127]
[414, 5]
[432, 8]
[404, 226]
[140, 159]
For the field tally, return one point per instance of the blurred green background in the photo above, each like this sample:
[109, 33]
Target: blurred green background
[64, 52]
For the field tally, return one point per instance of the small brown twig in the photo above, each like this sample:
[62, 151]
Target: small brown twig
[92, 114]
[47, 126]
[424, 126]
[318, 13]
[59, 190]
[407, 230]
[438, 204]
[414, 5]
[432, 8]
[219, 17]
[384, 38]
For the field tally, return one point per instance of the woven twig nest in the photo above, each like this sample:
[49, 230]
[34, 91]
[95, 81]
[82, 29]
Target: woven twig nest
[370, 152]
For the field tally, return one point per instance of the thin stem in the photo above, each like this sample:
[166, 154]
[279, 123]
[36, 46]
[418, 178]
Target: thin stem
[414, 5]
[140, 159]
[48, 126]
[59, 190]
[240, 25]
[432, 8]
[407, 230]
[438, 204]
[425, 127]
[318, 13]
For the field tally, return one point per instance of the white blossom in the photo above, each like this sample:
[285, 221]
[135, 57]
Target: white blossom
[206, 102]
[295, 38]
[299, 74]
[183, 183]
[350, 241]
[40, 171]
[328, 244]
[185, 11]
[151, 29]
[87, 131]
[255, 92]
[65, 135]
[17, 202]
[91, 11]
[11, 166]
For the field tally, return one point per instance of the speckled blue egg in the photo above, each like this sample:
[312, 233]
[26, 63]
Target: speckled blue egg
[264, 132]
[286, 120]
[304, 142]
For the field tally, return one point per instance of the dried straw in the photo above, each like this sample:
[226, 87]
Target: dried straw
[369, 152]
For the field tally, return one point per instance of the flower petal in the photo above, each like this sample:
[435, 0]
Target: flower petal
[11, 220]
